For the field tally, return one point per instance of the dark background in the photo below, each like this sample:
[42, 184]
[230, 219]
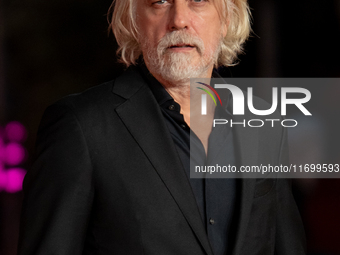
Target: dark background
[49, 49]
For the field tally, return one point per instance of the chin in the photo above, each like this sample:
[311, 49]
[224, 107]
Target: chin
[180, 73]
[179, 67]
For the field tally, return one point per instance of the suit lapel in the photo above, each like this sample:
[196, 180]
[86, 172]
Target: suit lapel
[143, 118]
[246, 147]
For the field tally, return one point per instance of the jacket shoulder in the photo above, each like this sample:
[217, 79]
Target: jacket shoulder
[111, 93]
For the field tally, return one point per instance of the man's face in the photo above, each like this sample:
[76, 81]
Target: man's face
[180, 39]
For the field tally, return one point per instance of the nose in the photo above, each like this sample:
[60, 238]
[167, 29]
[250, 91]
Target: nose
[179, 16]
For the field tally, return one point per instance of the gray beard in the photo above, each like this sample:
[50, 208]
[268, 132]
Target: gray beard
[177, 67]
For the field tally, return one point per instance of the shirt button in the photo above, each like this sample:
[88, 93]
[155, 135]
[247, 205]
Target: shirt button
[171, 107]
[183, 126]
[211, 221]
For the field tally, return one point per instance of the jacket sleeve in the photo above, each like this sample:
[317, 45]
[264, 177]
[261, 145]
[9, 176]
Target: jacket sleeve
[58, 189]
[290, 235]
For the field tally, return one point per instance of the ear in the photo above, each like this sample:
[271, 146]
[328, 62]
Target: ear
[225, 28]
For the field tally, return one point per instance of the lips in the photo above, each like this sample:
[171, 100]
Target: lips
[182, 46]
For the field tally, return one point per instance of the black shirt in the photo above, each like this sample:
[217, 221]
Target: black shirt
[216, 198]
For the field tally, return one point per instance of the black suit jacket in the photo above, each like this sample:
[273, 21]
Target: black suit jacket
[108, 180]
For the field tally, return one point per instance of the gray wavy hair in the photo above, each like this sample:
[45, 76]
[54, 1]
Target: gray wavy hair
[234, 13]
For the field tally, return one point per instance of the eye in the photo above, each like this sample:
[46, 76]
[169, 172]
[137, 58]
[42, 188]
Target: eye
[160, 2]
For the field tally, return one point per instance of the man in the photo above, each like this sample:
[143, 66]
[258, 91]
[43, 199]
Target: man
[111, 176]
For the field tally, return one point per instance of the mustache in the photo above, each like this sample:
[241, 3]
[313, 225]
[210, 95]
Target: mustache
[180, 38]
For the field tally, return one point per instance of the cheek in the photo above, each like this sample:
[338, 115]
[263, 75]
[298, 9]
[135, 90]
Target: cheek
[150, 24]
[212, 39]
[150, 33]
[209, 29]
